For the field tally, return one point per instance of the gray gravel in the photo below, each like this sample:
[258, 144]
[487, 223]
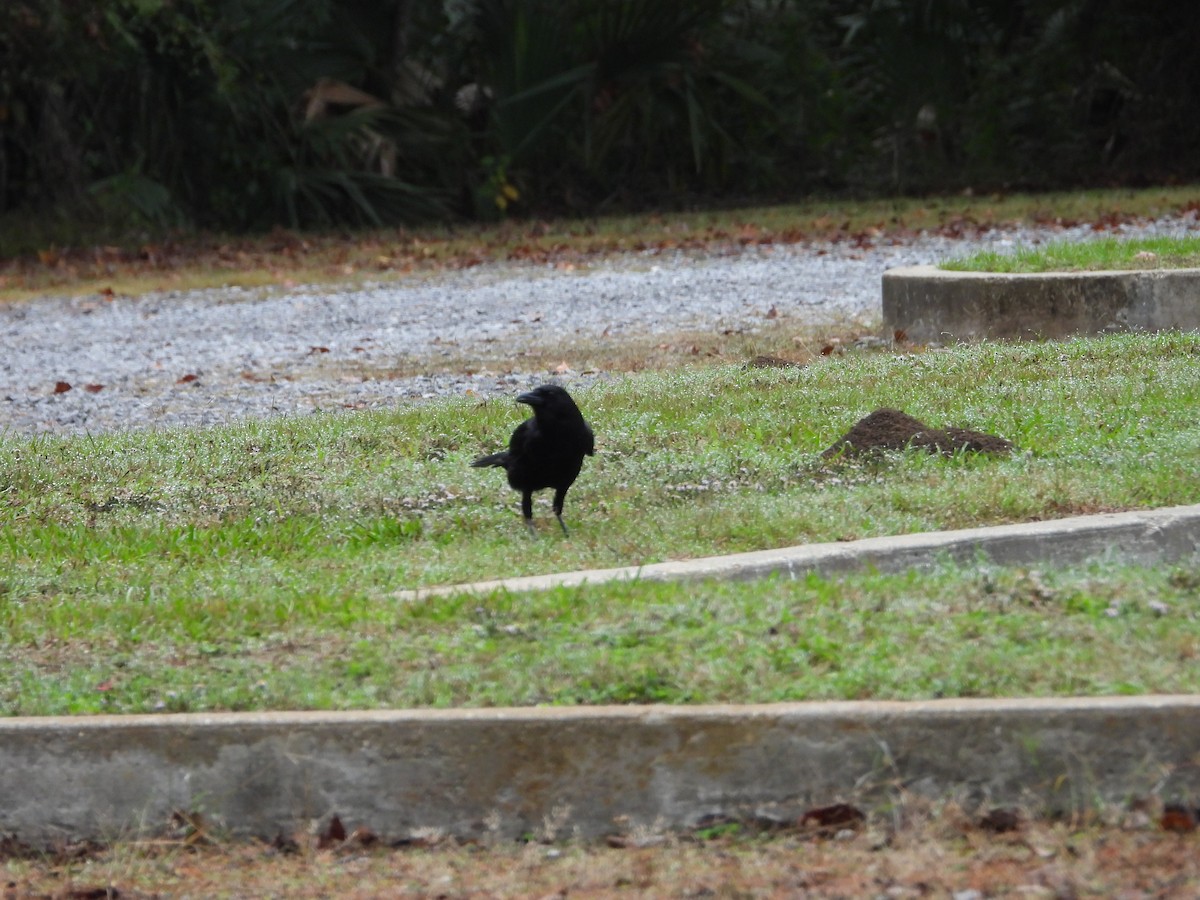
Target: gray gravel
[207, 357]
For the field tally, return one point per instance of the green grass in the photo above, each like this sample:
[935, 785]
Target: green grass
[254, 566]
[1084, 256]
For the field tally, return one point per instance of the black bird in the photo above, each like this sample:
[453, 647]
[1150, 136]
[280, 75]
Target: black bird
[546, 451]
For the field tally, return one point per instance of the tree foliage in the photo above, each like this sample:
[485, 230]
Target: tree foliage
[243, 114]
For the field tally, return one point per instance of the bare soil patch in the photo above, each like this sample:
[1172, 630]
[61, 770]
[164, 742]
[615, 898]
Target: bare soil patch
[948, 854]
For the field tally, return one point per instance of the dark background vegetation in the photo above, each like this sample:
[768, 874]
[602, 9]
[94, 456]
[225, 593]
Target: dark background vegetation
[244, 114]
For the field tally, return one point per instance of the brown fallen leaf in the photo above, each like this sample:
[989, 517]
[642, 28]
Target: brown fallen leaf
[1000, 820]
[1178, 818]
[832, 816]
[61, 387]
[333, 835]
[190, 827]
[285, 845]
[93, 388]
[187, 379]
[94, 893]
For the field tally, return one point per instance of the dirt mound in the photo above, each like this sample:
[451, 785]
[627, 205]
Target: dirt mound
[890, 429]
[771, 362]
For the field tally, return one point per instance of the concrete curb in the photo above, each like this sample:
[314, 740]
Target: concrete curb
[936, 305]
[573, 772]
[1142, 536]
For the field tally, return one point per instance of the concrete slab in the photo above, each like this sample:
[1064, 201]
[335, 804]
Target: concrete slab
[581, 772]
[1140, 536]
[935, 305]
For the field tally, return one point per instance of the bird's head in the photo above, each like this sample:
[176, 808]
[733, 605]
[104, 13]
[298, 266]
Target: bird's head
[548, 397]
[555, 411]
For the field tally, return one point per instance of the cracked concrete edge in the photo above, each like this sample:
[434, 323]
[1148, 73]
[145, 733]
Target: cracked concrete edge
[929, 304]
[1140, 536]
[572, 772]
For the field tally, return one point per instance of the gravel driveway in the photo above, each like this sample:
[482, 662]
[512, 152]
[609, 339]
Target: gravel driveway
[207, 357]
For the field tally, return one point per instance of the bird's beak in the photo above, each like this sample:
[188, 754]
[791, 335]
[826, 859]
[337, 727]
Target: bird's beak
[529, 398]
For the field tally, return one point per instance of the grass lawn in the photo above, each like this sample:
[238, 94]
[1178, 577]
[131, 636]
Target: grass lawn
[1085, 256]
[56, 257]
[255, 566]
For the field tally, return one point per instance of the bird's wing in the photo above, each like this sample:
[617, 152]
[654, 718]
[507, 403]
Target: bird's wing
[522, 437]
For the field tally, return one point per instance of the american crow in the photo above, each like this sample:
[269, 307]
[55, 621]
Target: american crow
[546, 451]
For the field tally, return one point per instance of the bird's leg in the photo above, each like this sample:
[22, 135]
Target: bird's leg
[559, 496]
[527, 511]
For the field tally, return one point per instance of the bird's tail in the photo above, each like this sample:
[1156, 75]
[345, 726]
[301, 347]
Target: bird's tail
[492, 459]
